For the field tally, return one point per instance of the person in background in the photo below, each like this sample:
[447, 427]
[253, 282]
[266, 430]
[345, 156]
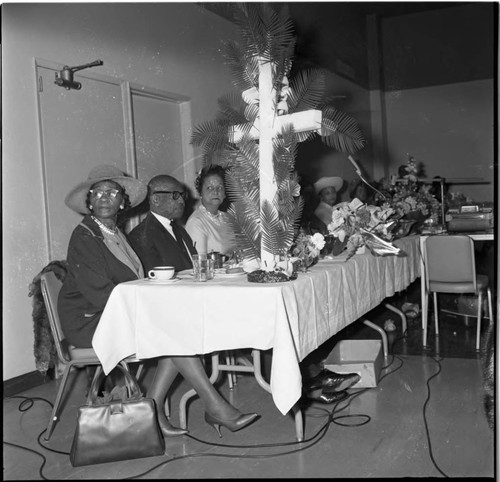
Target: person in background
[327, 189]
[208, 226]
[309, 222]
[159, 239]
[362, 192]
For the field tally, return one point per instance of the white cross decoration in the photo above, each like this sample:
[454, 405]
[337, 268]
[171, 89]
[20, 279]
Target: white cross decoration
[265, 128]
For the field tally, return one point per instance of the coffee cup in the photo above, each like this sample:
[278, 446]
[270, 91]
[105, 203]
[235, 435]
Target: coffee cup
[162, 272]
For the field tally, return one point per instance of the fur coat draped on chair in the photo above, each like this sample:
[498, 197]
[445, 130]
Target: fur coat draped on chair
[44, 348]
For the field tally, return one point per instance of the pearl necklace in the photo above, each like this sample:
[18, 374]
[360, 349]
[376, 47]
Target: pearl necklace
[104, 227]
[216, 218]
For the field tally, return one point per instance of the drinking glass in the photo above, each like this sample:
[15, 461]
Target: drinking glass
[203, 267]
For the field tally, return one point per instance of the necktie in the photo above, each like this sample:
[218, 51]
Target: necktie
[178, 237]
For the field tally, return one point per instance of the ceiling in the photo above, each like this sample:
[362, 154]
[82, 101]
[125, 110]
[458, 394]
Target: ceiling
[421, 43]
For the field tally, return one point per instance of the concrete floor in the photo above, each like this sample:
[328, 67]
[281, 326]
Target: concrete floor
[398, 429]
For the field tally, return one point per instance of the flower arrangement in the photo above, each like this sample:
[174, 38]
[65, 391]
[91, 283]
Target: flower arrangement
[307, 247]
[407, 196]
[363, 225]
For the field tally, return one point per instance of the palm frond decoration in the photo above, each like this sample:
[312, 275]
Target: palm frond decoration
[211, 135]
[264, 33]
[232, 109]
[244, 68]
[341, 131]
[267, 222]
[307, 88]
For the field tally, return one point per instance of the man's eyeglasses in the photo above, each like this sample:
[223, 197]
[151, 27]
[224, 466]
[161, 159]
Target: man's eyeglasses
[99, 193]
[174, 194]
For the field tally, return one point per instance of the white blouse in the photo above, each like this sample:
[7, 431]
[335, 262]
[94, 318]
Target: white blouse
[210, 232]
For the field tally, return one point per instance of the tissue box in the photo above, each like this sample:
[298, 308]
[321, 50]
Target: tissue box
[357, 356]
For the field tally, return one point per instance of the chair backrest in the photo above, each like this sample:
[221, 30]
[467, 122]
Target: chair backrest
[50, 290]
[450, 259]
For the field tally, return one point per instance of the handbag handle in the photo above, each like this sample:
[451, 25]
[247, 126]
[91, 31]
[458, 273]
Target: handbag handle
[133, 388]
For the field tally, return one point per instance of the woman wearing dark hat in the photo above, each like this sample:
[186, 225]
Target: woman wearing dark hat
[99, 257]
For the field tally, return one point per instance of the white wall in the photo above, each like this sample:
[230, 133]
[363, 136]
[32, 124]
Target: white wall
[448, 128]
[174, 47]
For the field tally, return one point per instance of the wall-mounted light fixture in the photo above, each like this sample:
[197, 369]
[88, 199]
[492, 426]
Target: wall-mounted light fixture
[64, 78]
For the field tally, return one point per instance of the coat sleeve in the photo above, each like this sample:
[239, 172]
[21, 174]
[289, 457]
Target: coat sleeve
[145, 247]
[90, 268]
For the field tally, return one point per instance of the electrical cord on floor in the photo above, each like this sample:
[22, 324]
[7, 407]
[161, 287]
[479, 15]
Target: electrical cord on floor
[437, 359]
[332, 417]
[28, 402]
[316, 438]
[425, 418]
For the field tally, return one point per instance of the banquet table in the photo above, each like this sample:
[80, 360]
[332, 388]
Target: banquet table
[151, 319]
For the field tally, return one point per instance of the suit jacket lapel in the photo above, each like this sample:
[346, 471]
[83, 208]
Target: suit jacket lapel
[166, 240]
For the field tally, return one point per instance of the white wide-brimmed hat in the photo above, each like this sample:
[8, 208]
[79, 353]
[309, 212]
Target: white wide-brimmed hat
[77, 197]
[336, 182]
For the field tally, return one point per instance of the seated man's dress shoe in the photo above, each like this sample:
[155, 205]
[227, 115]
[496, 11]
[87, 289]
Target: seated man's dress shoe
[326, 396]
[334, 381]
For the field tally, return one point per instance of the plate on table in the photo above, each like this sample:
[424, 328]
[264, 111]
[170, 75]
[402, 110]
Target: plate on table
[163, 281]
[229, 275]
[185, 274]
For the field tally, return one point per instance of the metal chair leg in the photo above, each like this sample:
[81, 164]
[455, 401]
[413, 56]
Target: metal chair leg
[436, 313]
[479, 312]
[55, 410]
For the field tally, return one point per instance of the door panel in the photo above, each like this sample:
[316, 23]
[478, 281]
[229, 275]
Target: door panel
[158, 137]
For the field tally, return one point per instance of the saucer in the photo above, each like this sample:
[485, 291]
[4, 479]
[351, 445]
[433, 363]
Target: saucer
[229, 275]
[164, 281]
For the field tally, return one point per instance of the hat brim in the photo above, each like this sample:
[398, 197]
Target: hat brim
[76, 199]
[336, 182]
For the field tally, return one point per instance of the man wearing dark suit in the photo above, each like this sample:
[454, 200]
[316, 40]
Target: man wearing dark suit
[158, 240]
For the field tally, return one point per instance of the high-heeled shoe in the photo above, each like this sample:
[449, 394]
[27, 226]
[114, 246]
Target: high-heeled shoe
[168, 430]
[235, 424]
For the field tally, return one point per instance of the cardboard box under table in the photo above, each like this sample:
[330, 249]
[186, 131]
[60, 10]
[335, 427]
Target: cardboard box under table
[357, 356]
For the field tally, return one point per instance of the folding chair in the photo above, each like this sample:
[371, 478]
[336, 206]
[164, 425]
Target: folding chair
[450, 267]
[68, 355]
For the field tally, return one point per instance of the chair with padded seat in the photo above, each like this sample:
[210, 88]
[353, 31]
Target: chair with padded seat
[450, 267]
[68, 355]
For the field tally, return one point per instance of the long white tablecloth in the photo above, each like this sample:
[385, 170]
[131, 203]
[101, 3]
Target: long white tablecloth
[293, 318]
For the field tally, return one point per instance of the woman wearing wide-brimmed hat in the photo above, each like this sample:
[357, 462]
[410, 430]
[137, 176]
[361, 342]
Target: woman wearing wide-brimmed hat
[327, 189]
[99, 254]
[100, 257]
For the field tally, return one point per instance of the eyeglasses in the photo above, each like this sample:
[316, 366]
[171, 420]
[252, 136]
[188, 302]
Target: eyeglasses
[99, 193]
[175, 194]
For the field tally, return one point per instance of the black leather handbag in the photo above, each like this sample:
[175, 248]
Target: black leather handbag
[116, 430]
